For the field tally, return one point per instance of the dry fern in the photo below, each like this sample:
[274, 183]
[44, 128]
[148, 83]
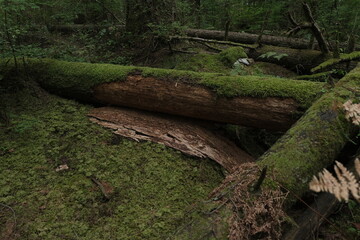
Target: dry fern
[344, 182]
[352, 112]
[340, 185]
[254, 215]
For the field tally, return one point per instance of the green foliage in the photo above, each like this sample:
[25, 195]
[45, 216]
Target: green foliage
[275, 55]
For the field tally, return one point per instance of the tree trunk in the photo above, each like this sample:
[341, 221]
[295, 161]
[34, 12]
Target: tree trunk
[261, 102]
[308, 147]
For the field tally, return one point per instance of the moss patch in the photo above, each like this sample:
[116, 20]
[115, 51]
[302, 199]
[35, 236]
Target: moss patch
[333, 61]
[150, 185]
[203, 62]
[231, 54]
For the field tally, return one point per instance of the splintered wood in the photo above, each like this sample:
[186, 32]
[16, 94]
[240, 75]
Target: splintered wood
[187, 136]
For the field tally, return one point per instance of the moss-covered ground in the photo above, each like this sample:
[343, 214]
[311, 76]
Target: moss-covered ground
[151, 187]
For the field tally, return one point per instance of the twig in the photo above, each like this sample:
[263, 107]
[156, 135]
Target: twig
[101, 186]
[11, 209]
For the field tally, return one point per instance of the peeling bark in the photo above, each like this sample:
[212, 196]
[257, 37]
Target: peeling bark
[189, 137]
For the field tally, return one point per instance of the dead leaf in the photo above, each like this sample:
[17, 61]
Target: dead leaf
[62, 168]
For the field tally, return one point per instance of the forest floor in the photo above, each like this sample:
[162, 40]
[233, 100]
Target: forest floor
[113, 188]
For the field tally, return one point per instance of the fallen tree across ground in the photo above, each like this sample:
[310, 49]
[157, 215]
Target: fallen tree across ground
[310, 145]
[262, 102]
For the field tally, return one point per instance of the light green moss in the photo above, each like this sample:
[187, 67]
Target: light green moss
[231, 86]
[333, 61]
[319, 77]
[152, 186]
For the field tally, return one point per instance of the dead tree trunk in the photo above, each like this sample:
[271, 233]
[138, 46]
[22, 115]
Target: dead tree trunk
[310, 145]
[260, 102]
[312, 25]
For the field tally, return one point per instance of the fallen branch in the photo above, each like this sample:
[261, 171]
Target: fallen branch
[197, 39]
[187, 136]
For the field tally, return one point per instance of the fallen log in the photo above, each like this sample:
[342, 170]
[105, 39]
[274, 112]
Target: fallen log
[310, 145]
[187, 136]
[262, 102]
[300, 61]
[249, 38]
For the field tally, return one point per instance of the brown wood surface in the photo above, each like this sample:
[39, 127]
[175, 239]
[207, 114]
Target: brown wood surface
[187, 136]
[188, 100]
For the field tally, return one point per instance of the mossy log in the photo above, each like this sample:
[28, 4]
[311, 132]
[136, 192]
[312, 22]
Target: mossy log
[297, 60]
[262, 102]
[309, 146]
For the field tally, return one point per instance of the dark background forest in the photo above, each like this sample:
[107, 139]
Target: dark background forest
[254, 83]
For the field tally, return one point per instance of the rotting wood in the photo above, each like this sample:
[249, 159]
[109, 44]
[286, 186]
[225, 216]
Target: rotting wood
[198, 102]
[310, 145]
[187, 136]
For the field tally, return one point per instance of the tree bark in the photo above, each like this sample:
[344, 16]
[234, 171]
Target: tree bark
[309, 146]
[261, 102]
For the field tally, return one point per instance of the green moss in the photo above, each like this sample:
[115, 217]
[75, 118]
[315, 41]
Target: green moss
[314, 141]
[333, 61]
[229, 86]
[230, 55]
[152, 186]
[320, 77]
[203, 62]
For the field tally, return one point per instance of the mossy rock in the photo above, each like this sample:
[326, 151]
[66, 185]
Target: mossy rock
[230, 55]
[203, 62]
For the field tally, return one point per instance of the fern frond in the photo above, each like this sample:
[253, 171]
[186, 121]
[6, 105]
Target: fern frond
[341, 186]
